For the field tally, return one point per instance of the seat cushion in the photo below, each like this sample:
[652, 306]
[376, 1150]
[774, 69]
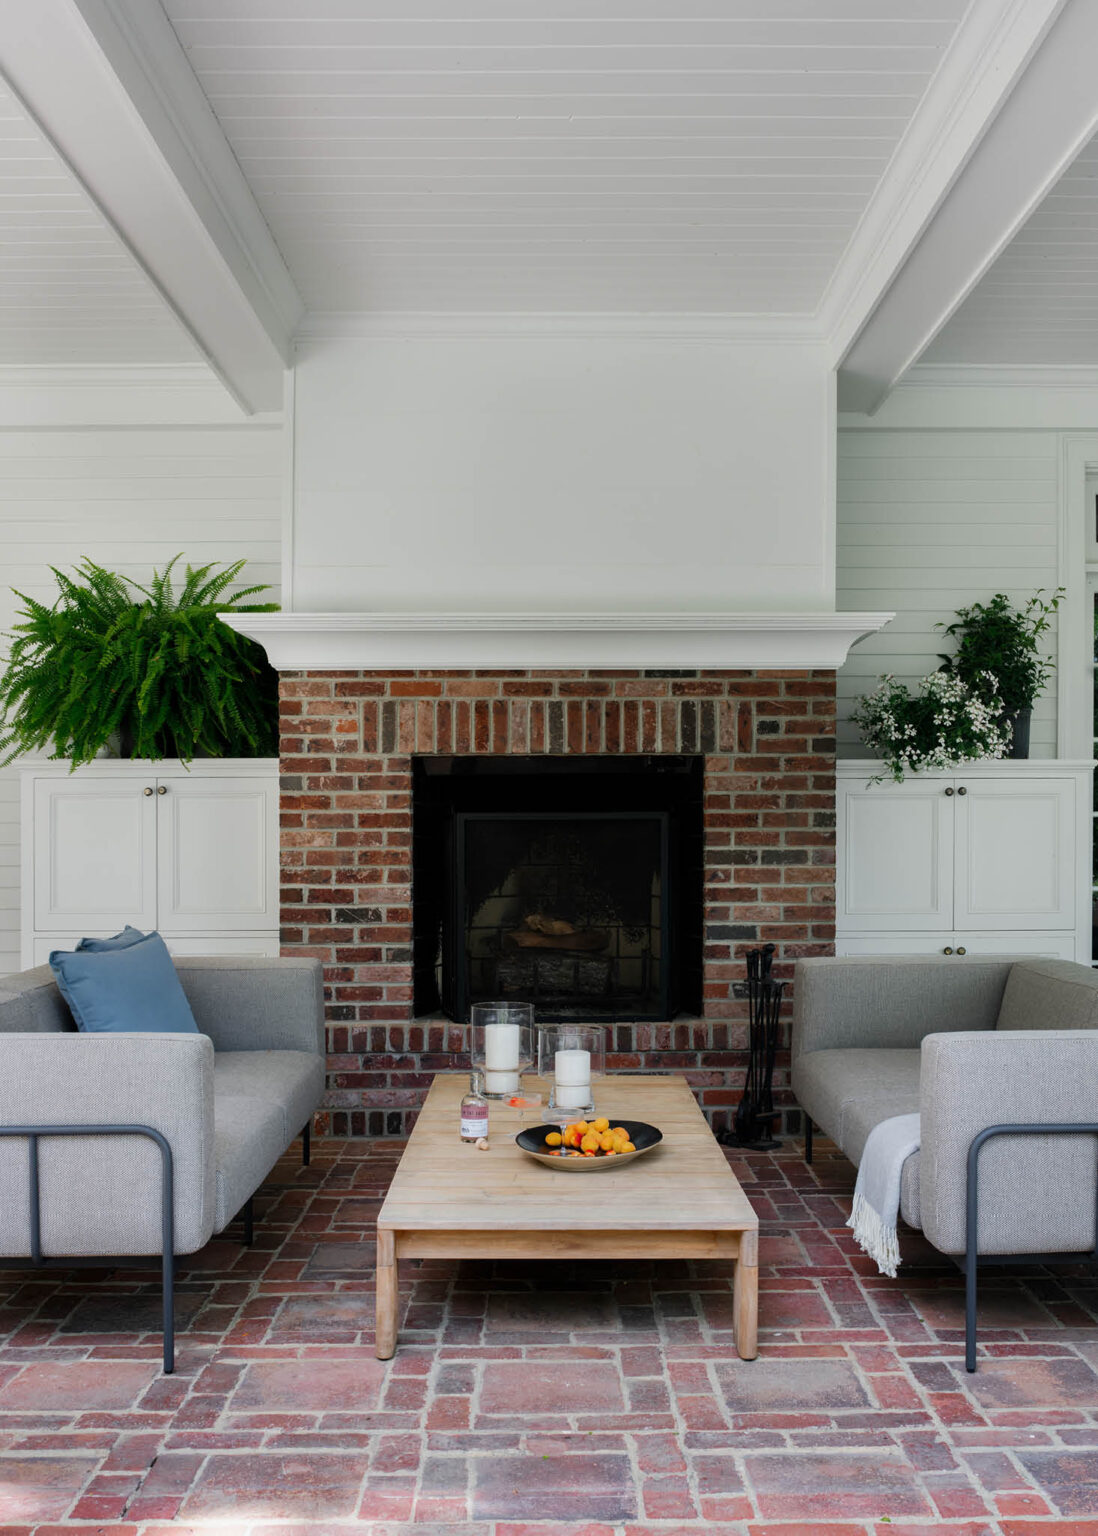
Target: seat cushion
[1049, 994]
[249, 1138]
[847, 1092]
[291, 1080]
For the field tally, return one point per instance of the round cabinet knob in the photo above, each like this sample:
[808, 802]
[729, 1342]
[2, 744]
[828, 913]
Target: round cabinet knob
[148, 789]
[962, 790]
[949, 791]
[961, 950]
[948, 950]
[162, 789]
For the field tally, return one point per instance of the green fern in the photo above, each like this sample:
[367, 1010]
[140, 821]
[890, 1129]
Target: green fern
[162, 673]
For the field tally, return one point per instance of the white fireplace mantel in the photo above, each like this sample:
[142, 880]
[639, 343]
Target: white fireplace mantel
[319, 642]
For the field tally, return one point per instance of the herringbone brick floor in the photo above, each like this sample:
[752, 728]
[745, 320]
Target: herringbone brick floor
[549, 1399]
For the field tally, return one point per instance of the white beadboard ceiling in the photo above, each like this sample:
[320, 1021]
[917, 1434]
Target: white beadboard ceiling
[619, 155]
[1038, 303]
[70, 292]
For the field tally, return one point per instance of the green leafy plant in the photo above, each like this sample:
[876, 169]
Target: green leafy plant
[997, 639]
[944, 724]
[161, 674]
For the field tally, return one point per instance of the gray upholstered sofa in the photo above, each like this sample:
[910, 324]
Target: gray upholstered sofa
[215, 1110]
[973, 1045]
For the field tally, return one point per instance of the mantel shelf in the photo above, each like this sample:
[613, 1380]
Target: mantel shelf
[347, 641]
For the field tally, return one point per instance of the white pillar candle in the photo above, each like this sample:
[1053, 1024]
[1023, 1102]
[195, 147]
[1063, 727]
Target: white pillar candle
[501, 1058]
[572, 1068]
[572, 1071]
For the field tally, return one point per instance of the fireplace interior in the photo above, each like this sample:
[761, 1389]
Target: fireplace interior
[576, 886]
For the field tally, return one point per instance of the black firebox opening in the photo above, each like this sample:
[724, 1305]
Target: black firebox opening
[573, 885]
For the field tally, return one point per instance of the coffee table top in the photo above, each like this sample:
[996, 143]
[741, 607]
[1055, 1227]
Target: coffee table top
[685, 1184]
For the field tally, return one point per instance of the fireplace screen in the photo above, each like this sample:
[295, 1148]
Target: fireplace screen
[575, 887]
[567, 911]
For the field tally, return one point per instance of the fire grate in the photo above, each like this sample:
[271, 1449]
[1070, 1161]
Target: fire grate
[567, 910]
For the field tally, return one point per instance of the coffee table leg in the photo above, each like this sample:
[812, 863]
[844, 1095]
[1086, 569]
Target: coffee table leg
[385, 1313]
[745, 1298]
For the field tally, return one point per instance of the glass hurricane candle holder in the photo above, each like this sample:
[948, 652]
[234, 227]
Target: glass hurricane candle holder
[502, 1045]
[571, 1057]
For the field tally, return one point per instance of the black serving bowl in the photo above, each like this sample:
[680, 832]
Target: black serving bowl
[532, 1142]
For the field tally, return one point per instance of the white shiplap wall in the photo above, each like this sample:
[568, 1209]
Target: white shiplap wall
[929, 521]
[129, 498]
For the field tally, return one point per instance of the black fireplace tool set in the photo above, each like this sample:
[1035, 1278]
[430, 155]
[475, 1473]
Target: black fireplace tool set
[753, 1123]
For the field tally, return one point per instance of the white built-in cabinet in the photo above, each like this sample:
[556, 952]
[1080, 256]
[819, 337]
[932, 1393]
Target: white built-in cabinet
[994, 858]
[190, 851]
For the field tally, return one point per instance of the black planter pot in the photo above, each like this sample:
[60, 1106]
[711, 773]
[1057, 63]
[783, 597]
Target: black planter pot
[1019, 733]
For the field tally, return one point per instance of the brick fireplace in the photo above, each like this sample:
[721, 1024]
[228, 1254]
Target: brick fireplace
[349, 741]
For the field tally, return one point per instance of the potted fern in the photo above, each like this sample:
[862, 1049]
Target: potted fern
[150, 671]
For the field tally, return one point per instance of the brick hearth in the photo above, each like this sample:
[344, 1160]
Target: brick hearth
[348, 743]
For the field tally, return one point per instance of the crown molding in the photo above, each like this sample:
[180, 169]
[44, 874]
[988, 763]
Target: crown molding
[106, 375]
[611, 326]
[350, 641]
[1000, 376]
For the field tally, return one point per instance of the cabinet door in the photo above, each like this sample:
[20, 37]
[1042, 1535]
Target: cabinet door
[895, 855]
[218, 859]
[94, 866]
[894, 943]
[1015, 851]
[263, 944]
[1050, 946]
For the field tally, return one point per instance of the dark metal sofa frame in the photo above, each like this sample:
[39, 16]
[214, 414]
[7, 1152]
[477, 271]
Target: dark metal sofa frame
[970, 1261]
[37, 1260]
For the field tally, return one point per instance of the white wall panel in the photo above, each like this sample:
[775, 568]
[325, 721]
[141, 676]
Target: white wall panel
[930, 521]
[562, 474]
[129, 498]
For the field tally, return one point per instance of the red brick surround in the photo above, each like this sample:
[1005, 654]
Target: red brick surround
[348, 740]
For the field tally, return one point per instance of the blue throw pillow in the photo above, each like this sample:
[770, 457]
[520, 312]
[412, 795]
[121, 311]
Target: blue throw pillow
[131, 987]
[121, 940]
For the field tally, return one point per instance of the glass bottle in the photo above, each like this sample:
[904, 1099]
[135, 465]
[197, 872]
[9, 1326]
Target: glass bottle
[474, 1110]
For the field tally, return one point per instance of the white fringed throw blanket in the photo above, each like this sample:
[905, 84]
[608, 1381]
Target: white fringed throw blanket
[876, 1206]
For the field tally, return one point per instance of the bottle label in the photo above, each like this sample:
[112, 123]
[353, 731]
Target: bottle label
[474, 1124]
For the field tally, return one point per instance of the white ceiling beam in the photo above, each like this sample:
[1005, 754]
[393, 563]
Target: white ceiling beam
[111, 87]
[1048, 109]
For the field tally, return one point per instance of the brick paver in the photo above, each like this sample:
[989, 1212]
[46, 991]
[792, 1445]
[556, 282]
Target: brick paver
[547, 1399]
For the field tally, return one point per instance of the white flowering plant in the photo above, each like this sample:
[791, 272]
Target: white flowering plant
[945, 723]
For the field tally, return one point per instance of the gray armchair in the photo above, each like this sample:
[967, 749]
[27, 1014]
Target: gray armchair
[137, 1144]
[1000, 1059]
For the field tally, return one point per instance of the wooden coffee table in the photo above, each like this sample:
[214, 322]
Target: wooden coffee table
[681, 1200]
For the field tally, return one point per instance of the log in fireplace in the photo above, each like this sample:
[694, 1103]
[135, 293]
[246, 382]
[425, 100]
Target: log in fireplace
[573, 885]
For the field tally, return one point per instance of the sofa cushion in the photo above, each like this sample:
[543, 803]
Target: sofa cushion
[1049, 994]
[847, 1092]
[30, 1003]
[291, 1080]
[248, 1140]
[134, 987]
